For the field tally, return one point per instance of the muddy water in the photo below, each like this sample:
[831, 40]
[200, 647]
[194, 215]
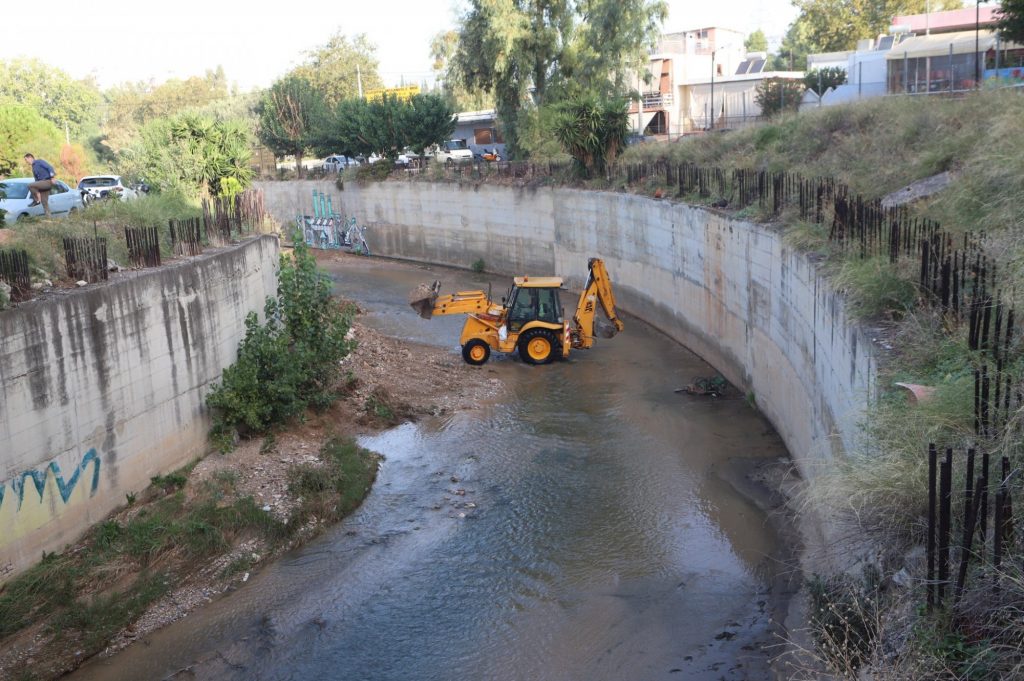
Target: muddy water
[584, 525]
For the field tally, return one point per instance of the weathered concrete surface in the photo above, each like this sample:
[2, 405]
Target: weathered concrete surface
[103, 388]
[730, 290]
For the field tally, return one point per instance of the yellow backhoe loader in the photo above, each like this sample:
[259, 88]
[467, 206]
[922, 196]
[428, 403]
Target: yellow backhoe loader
[529, 319]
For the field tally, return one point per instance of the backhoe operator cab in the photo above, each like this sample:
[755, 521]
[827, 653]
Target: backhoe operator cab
[530, 319]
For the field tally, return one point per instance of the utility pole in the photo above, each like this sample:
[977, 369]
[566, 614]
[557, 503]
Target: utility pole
[711, 109]
[359, 81]
[977, 57]
[640, 105]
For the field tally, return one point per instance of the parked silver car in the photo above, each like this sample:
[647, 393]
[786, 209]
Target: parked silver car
[104, 186]
[15, 199]
[336, 163]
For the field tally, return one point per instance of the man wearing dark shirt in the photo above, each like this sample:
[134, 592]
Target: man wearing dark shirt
[43, 173]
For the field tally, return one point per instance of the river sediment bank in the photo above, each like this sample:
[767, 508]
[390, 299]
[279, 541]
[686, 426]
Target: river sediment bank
[202, 531]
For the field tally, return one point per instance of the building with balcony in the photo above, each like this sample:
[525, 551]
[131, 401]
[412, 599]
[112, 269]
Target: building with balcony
[699, 79]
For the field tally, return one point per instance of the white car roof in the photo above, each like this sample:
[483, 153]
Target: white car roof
[18, 180]
[101, 177]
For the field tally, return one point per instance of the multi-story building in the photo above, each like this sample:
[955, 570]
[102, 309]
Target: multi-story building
[698, 80]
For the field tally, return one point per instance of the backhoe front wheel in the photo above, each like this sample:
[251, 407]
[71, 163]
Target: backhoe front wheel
[476, 352]
[537, 346]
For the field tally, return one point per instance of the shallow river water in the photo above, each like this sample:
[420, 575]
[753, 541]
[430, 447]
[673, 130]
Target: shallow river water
[585, 524]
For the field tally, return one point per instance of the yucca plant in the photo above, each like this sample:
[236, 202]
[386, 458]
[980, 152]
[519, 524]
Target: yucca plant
[592, 131]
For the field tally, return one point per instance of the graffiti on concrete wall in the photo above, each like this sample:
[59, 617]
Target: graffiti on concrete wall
[13, 491]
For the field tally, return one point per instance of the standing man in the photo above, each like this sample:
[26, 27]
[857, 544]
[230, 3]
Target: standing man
[43, 173]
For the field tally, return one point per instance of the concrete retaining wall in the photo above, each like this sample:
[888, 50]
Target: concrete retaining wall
[103, 388]
[730, 290]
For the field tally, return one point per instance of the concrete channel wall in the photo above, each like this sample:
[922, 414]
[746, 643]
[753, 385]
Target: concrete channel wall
[103, 388]
[730, 290]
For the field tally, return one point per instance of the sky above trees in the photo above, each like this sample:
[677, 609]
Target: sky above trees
[159, 41]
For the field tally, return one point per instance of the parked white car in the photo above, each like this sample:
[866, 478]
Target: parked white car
[104, 186]
[453, 152]
[337, 162]
[15, 199]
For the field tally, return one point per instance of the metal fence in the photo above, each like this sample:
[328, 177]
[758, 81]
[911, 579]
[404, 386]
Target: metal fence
[86, 258]
[143, 246]
[14, 270]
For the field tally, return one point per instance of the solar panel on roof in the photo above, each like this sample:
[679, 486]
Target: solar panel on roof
[886, 42]
[742, 68]
[757, 66]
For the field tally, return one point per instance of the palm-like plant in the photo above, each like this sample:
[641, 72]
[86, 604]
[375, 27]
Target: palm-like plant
[592, 131]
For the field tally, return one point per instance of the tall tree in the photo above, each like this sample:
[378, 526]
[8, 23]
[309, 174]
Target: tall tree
[1011, 20]
[523, 50]
[443, 47]
[351, 130]
[610, 45]
[292, 117]
[58, 97]
[835, 25]
[335, 67]
[22, 131]
[429, 120]
[756, 42]
[130, 106]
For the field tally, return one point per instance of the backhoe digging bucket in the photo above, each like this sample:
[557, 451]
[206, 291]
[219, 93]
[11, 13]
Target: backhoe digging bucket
[423, 297]
[603, 329]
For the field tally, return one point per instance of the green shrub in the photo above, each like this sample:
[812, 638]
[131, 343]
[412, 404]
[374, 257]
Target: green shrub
[875, 288]
[374, 172]
[337, 485]
[478, 265]
[288, 363]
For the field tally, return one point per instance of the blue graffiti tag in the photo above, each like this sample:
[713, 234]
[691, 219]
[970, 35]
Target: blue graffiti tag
[65, 488]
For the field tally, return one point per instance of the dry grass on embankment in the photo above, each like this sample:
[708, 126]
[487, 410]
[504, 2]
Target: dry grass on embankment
[872, 619]
[198, 532]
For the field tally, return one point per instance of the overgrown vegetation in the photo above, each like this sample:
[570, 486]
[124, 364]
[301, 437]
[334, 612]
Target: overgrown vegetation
[879, 489]
[194, 155]
[81, 599]
[333, 489]
[42, 238]
[592, 131]
[61, 592]
[288, 362]
[529, 55]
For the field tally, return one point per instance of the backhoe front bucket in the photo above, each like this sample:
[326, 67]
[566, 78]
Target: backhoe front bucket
[423, 297]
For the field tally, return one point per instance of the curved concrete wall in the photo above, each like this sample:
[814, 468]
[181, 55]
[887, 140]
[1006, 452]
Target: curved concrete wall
[103, 388]
[730, 290]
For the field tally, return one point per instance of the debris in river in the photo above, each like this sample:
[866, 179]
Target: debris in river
[712, 387]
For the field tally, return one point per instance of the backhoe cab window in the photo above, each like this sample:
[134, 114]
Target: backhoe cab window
[529, 304]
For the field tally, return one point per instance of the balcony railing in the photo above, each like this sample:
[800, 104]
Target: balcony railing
[654, 100]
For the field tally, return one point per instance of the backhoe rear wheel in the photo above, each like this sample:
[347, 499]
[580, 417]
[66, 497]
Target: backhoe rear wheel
[476, 352]
[537, 346]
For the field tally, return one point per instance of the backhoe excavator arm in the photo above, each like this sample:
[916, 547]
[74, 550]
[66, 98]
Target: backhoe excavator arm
[598, 289]
[426, 301]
